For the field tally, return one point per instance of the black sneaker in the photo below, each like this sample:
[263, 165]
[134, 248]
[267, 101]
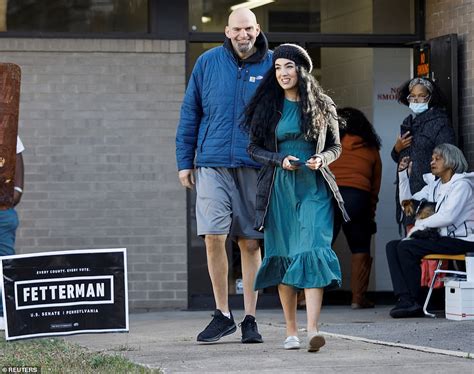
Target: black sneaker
[219, 326]
[406, 309]
[250, 330]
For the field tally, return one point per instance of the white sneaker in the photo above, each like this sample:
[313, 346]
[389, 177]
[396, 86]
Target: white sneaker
[315, 341]
[2, 323]
[291, 342]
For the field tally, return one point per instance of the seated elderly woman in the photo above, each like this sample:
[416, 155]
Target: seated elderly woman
[452, 189]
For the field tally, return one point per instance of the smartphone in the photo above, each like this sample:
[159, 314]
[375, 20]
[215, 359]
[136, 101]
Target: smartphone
[297, 162]
[404, 128]
[406, 125]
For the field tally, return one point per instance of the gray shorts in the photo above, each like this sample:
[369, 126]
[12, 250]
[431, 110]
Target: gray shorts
[225, 202]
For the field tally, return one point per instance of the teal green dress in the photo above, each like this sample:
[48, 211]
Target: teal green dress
[299, 222]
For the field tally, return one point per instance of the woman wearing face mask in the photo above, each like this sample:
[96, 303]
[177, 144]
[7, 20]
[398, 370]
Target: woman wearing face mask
[421, 132]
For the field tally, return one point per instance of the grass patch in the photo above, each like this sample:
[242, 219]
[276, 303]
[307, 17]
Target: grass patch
[54, 355]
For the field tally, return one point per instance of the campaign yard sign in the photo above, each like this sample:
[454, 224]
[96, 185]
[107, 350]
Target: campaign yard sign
[64, 293]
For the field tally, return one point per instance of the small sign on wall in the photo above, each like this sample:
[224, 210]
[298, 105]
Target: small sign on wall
[64, 293]
[391, 95]
[422, 61]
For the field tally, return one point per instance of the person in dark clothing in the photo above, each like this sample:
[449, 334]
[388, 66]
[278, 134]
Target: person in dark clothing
[358, 175]
[421, 133]
[294, 134]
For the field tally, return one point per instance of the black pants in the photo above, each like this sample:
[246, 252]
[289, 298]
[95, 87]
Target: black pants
[359, 229]
[404, 259]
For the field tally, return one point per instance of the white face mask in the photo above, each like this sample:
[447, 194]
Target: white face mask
[418, 108]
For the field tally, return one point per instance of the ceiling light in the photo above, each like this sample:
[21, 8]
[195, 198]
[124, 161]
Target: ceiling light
[206, 19]
[250, 4]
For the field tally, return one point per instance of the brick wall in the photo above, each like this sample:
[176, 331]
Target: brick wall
[98, 120]
[457, 17]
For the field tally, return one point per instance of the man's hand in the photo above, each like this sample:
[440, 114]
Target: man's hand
[186, 177]
[403, 141]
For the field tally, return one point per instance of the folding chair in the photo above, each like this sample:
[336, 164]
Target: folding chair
[440, 258]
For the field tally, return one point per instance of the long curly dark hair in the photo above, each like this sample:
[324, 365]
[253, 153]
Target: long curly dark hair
[264, 109]
[356, 123]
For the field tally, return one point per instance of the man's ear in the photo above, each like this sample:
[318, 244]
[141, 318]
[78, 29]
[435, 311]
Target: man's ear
[258, 29]
[227, 31]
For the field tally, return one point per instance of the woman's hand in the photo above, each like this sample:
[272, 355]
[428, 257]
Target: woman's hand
[403, 141]
[405, 163]
[286, 164]
[314, 163]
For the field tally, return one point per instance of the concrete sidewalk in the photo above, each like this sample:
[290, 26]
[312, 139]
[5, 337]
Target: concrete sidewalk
[364, 341]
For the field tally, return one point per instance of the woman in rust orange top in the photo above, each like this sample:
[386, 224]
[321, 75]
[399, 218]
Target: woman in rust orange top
[358, 174]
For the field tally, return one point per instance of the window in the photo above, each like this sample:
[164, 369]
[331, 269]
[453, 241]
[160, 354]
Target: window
[319, 16]
[75, 16]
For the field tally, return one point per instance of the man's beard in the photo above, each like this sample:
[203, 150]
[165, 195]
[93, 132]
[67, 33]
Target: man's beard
[243, 48]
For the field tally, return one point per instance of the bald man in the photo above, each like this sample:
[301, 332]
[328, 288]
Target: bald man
[211, 155]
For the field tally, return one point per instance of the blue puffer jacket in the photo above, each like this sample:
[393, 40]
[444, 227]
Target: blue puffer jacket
[219, 89]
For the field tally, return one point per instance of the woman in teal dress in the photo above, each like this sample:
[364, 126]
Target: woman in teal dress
[294, 134]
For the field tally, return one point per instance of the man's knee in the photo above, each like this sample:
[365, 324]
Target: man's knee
[215, 242]
[9, 220]
[249, 245]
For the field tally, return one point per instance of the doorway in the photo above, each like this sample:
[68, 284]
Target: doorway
[360, 58]
[363, 78]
